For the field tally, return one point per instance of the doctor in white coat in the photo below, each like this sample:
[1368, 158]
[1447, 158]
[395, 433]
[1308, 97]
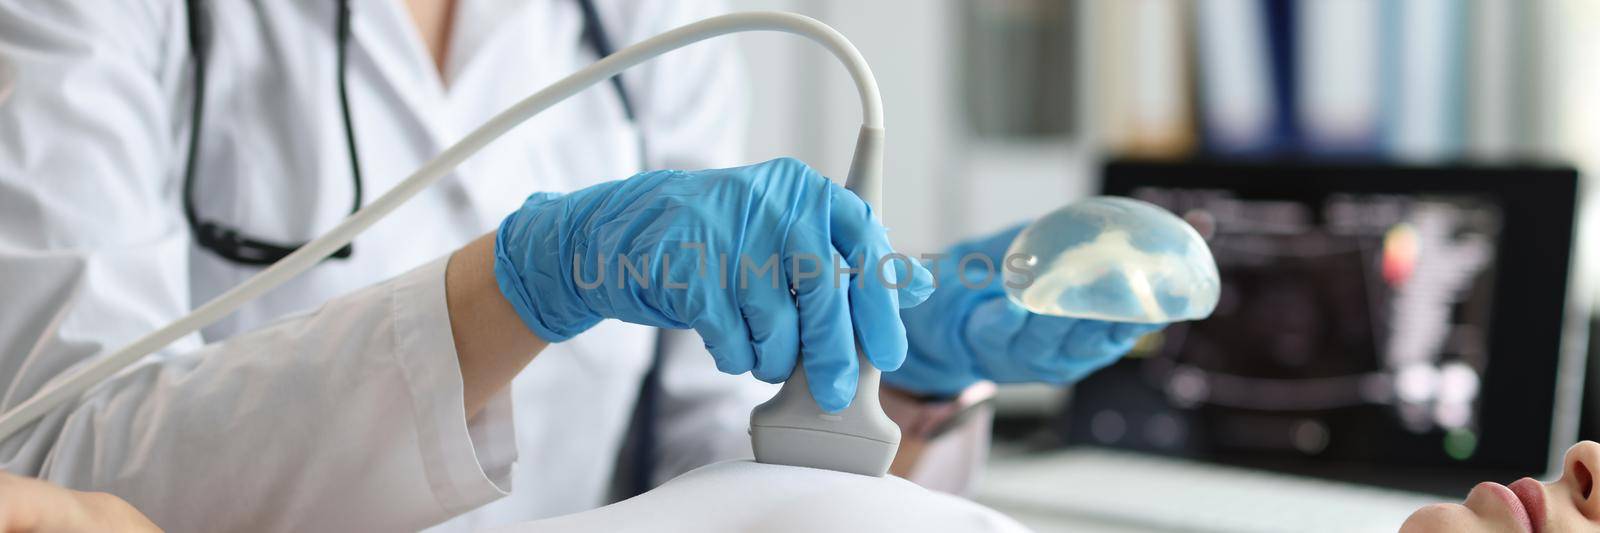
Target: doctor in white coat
[393, 388]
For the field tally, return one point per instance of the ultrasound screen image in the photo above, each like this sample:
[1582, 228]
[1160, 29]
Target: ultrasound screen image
[1343, 319]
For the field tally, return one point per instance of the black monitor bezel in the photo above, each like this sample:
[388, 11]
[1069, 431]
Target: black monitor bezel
[1539, 204]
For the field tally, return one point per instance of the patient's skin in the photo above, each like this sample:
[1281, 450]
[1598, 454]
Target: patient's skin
[1570, 503]
[28, 505]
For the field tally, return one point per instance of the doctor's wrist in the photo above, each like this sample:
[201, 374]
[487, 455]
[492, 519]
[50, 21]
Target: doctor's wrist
[492, 343]
[926, 417]
[532, 276]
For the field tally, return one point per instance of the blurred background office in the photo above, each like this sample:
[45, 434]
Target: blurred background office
[1002, 110]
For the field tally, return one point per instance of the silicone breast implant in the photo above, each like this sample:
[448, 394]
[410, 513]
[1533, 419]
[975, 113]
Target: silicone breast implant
[1116, 259]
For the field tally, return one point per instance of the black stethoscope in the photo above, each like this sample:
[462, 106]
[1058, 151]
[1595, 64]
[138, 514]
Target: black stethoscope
[235, 246]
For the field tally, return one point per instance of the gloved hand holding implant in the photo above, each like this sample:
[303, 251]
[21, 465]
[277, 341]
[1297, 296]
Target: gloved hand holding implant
[1057, 300]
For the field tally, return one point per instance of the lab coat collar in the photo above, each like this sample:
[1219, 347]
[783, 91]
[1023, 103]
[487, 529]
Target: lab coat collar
[478, 23]
[474, 24]
[382, 31]
[442, 109]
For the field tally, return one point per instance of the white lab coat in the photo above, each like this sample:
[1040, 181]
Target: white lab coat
[347, 417]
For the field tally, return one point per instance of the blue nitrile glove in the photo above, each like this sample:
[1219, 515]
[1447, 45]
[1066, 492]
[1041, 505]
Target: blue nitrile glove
[679, 249]
[963, 334]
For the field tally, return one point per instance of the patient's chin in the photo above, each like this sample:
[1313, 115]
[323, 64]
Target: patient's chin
[1442, 518]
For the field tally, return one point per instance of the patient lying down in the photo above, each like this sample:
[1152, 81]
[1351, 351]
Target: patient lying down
[1569, 503]
[749, 496]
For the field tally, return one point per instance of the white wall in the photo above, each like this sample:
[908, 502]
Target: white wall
[782, 119]
[939, 186]
[804, 104]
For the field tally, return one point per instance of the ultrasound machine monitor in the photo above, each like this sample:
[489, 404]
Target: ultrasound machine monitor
[1393, 326]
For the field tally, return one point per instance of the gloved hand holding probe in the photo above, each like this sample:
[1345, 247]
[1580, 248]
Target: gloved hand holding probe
[719, 251]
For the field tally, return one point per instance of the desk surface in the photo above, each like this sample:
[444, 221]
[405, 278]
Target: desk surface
[1117, 492]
